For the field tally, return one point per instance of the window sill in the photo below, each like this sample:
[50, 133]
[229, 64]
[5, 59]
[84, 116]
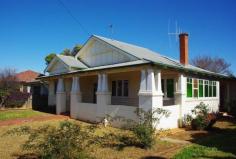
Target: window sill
[201, 99]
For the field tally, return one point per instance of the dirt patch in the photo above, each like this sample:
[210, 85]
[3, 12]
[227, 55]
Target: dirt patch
[32, 119]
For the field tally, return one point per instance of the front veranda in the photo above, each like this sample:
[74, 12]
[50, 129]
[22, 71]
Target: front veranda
[91, 96]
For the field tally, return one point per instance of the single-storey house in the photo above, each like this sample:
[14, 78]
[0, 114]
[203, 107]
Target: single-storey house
[110, 77]
[34, 88]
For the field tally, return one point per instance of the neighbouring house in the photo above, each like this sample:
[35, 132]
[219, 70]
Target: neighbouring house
[25, 78]
[110, 77]
[35, 88]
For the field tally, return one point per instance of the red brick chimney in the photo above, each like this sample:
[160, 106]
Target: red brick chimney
[183, 46]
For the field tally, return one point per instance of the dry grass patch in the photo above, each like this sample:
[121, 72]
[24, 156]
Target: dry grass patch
[10, 146]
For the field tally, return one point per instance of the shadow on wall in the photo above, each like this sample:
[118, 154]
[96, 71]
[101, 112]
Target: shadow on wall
[40, 103]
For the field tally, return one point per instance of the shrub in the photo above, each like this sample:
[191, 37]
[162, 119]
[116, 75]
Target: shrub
[16, 99]
[144, 130]
[201, 118]
[68, 141]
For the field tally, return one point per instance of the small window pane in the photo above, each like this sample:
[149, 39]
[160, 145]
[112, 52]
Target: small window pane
[113, 88]
[195, 93]
[170, 88]
[200, 88]
[189, 88]
[119, 88]
[195, 83]
[206, 91]
[126, 88]
[210, 89]
[214, 89]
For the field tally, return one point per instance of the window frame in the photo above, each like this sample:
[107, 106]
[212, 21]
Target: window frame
[120, 88]
[209, 86]
[164, 90]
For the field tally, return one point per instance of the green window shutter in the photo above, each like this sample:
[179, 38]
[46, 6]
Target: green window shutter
[210, 89]
[214, 89]
[206, 89]
[189, 87]
[170, 88]
[200, 88]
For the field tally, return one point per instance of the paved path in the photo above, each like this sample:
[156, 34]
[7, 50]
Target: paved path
[31, 119]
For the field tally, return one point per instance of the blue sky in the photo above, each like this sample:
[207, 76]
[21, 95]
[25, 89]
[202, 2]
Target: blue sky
[30, 29]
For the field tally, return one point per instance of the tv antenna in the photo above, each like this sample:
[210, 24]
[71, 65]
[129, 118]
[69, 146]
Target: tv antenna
[111, 30]
[176, 33]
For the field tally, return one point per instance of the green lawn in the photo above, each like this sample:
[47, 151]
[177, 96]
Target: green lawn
[221, 143]
[16, 114]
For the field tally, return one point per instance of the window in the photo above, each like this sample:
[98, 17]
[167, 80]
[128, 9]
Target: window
[126, 86]
[210, 89]
[214, 89]
[189, 87]
[200, 88]
[113, 88]
[119, 88]
[170, 88]
[167, 87]
[195, 88]
[206, 88]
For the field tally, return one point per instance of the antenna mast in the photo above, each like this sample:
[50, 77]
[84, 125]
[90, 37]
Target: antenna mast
[111, 31]
[176, 33]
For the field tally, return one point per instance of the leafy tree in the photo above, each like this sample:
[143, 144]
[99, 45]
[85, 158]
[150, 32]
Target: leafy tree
[8, 84]
[214, 64]
[66, 52]
[49, 58]
[76, 49]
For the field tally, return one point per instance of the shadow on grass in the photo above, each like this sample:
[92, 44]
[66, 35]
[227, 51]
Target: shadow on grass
[152, 157]
[118, 141]
[221, 137]
[26, 156]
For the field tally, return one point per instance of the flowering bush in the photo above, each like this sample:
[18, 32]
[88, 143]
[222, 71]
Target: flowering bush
[16, 99]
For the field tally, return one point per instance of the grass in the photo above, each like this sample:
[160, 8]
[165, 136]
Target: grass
[219, 143]
[10, 146]
[17, 114]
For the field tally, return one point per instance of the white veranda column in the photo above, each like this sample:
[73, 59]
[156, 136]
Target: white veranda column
[149, 97]
[158, 82]
[180, 96]
[51, 93]
[104, 83]
[143, 82]
[151, 86]
[60, 97]
[103, 97]
[75, 97]
[99, 89]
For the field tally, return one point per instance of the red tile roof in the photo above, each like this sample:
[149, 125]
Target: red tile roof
[27, 76]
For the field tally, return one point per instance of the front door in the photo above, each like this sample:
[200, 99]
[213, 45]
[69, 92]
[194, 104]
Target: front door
[95, 85]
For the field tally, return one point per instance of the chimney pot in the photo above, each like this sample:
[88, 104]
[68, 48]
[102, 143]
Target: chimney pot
[183, 45]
